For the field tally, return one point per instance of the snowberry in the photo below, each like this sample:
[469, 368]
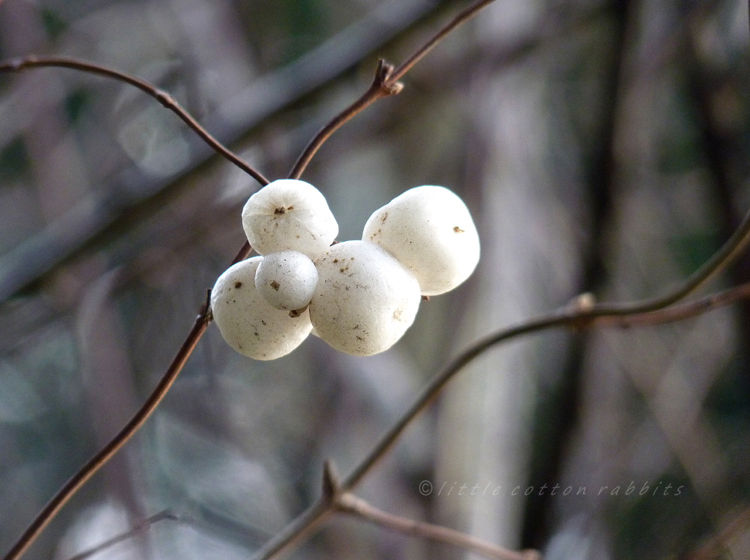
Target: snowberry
[286, 279]
[365, 299]
[430, 231]
[289, 215]
[248, 322]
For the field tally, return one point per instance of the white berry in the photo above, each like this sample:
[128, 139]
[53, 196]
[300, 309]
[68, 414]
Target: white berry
[430, 231]
[289, 215]
[365, 299]
[286, 279]
[247, 322]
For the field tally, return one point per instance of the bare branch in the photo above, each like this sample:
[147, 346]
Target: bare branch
[572, 316]
[96, 217]
[243, 253]
[583, 314]
[678, 312]
[142, 526]
[108, 451]
[461, 18]
[350, 504]
[380, 88]
[161, 96]
[385, 84]
[719, 261]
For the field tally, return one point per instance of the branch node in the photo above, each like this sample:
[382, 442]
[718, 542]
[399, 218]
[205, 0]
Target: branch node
[395, 88]
[582, 303]
[331, 481]
[17, 64]
[349, 503]
[164, 98]
[383, 71]
[381, 83]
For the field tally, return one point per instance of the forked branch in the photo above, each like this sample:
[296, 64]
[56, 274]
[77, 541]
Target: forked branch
[352, 505]
[382, 86]
[385, 83]
[584, 314]
[347, 503]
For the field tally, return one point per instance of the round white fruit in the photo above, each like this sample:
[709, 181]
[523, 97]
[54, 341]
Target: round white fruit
[248, 322]
[289, 215]
[430, 231]
[286, 279]
[365, 299]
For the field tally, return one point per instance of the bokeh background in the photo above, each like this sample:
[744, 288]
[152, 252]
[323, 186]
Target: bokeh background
[602, 146]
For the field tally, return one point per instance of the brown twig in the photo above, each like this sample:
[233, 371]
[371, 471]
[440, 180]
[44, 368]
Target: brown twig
[583, 314]
[460, 19]
[385, 84]
[140, 527]
[108, 451]
[161, 96]
[314, 516]
[123, 436]
[85, 225]
[384, 87]
[680, 312]
[243, 253]
[381, 87]
[350, 504]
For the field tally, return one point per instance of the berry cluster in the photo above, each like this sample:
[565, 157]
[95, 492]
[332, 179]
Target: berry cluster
[358, 296]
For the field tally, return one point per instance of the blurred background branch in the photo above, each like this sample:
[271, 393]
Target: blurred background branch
[597, 152]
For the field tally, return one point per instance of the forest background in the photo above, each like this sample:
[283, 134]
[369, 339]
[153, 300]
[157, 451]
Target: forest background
[602, 146]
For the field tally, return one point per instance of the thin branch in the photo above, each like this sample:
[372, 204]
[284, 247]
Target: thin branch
[309, 520]
[243, 253]
[720, 260]
[678, 312]
[128, 431]
[386, 81]
[385, 84]
[461, 18]
[381, 87]
[161, 96]
[140, 527]
[97, 217]
[580, 316]
[247, 535]
[584, 314]
[108, 451]
[350, 504]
